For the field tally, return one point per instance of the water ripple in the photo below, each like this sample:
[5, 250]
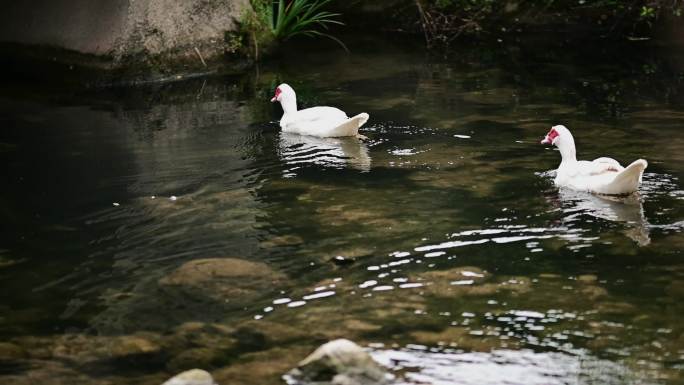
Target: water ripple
[419, 365]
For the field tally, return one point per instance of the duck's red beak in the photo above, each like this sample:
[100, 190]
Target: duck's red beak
[548, 139]
[275, 97]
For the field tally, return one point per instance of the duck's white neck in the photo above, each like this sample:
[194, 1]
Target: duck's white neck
[566, 146]
[289, 104]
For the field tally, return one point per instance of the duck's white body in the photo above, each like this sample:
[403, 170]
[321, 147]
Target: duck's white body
[600, 176]
[323, 122]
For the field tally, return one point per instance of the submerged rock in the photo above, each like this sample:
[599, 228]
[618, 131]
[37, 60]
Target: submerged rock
[200, 334]
[130, 346]
[198, 344]
[470, 281]
[223, 278]
[83, 349]
[207, 269]
[282, 240]
[203, 357]
[338, 362]
[191, 377]
[11, 352]
[262, 367]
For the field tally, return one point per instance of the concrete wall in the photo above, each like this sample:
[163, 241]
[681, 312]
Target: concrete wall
[80, 25]
[122, 28]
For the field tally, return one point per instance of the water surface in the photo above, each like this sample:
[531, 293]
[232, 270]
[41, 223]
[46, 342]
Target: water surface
[154, 229]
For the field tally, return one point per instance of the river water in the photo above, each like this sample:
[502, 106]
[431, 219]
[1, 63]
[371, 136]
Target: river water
[151, 229]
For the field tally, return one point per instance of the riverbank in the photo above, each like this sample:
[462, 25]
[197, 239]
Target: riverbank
[133, 40]
[126, 42]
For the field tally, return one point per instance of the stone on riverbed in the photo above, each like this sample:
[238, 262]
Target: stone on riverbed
[203, 357]
[223, 278]
[470, 281]
[11, 352]
[191, 377]
[338, 362]
[85, 349]
[131, 346]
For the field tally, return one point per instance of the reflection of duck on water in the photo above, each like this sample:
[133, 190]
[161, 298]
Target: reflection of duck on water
[337, 152]
[617, 209]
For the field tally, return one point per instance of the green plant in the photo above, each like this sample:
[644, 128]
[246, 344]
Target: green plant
[647, 12]
[297, 17]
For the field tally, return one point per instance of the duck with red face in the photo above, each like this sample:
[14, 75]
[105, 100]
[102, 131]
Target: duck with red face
[601, 176]
[324, 122]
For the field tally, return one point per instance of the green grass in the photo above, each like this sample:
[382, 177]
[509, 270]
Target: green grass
[300, 17]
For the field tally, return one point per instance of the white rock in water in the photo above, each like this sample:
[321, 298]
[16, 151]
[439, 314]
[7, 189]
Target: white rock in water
[338, 362]
[191, 377]
[173, 197]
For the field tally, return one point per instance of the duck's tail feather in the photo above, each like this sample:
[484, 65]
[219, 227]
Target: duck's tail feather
[350, 127]
[361, 118]
[626, 181]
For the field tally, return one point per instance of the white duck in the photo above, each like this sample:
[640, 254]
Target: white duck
[600, 176]
[323, 122]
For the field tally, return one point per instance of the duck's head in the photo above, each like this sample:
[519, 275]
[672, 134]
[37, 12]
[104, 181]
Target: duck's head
[287, 98]
[557, 135]
[282, 93]
[561, 137]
